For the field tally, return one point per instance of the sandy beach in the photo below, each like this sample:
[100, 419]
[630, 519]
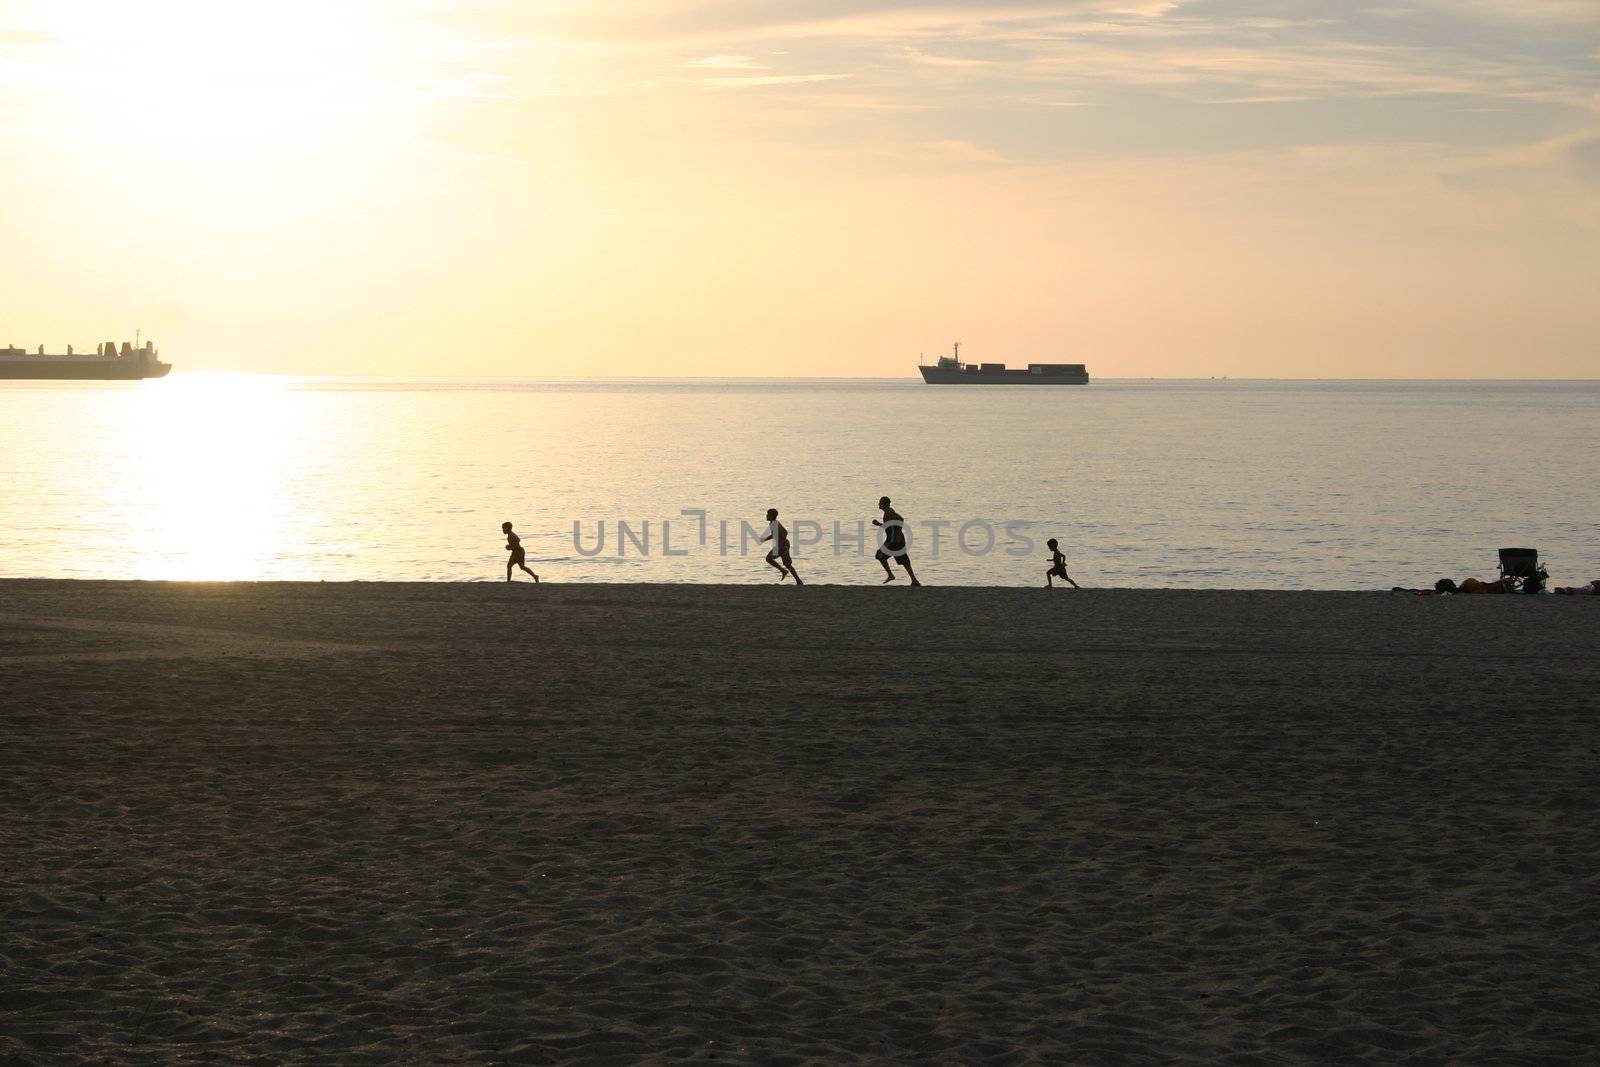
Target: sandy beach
[489, 823]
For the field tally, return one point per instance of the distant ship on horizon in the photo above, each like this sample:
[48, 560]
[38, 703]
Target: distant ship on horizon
[951, 371]
[106, 364]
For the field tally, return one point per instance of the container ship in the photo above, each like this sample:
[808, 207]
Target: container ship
[951, 371]
[108, 363]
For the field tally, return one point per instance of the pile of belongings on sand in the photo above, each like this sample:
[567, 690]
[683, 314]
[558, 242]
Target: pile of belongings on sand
[1520, 572]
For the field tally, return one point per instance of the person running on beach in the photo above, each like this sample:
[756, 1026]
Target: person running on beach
[1058, 566]
[894, 542]
[518, 557]
[779, 556]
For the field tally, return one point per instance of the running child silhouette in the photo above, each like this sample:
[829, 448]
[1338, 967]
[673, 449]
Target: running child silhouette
[779, 556]
[1058, 566]
[518, 557]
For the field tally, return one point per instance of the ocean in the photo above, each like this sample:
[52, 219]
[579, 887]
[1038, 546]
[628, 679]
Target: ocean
[1189, 484]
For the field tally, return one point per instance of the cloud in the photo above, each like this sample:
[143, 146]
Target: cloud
[1558, 174]
[1522, 10]
[1217, 50]
[1281, 99]
[726, 63]
[1221, 51]
[919, 56]
[963, 152]
[1061, 79]
[1583, 160]
[848, 101]
[654, 22]
[770, 79]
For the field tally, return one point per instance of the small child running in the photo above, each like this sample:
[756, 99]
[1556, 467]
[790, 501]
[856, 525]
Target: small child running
[1058, 567]
[779, 556]
[518, 557]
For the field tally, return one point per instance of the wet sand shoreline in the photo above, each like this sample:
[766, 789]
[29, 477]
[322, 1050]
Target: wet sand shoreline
[395, 823]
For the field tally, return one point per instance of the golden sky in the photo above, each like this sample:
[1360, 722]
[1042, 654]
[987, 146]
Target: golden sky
[1295, 188]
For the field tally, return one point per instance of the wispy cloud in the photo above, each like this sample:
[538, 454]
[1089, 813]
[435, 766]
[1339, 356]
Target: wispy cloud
[1212, 50]
[726, 63]
[1053, 78]
[655, 21]
[963, 152]
[1583, 158]
[769, 79]
[919, 56]
[1521, 10]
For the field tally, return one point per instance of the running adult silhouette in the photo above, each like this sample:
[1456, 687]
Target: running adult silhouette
[779, 556]
[894, 542]
[518, 557]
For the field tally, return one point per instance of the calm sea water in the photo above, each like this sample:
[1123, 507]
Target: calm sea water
[1343, 485]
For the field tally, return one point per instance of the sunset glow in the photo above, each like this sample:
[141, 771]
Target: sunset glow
[1156, 188]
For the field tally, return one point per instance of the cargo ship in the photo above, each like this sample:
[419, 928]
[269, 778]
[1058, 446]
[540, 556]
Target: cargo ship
[951, 371]
[108, 363]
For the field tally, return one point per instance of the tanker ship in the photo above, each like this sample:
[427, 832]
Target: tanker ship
[951, 371]
[106, 364]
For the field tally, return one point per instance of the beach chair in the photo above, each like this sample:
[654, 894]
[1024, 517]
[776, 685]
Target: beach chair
[1520, 564]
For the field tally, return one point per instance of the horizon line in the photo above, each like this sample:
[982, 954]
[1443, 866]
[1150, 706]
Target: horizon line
[812, 378]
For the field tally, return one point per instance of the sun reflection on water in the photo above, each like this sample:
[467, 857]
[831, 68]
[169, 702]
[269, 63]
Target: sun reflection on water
[216, 451]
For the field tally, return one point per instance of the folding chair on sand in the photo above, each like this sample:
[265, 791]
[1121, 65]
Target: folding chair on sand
[1520, 564]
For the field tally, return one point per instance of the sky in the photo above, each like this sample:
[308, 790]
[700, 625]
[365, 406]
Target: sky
[1166, 188]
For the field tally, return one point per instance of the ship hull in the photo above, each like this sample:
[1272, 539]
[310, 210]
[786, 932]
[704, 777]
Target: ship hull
[49, 370]
[936, 376]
